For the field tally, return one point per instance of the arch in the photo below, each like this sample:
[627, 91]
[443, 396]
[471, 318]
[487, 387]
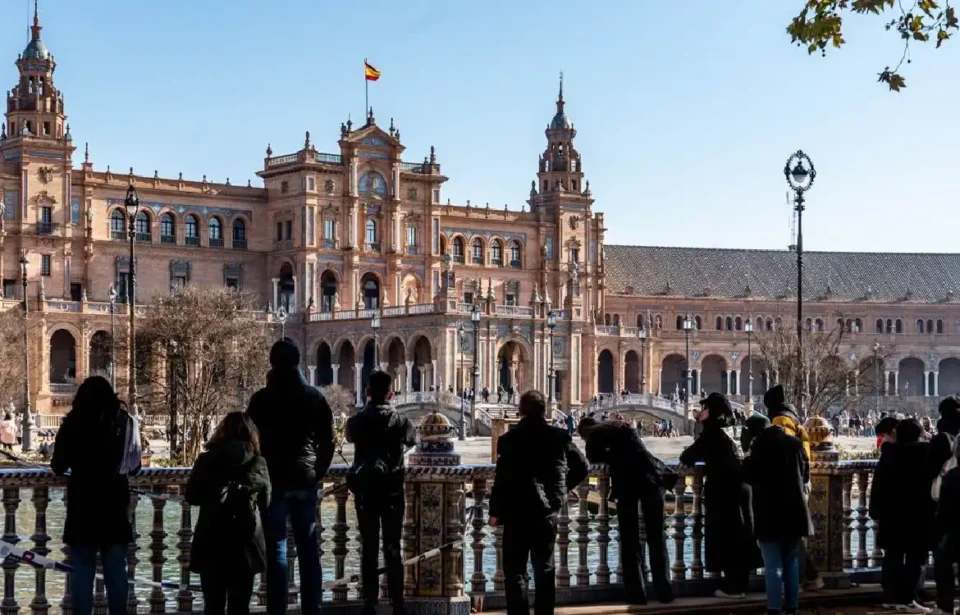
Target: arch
[759, 324]
[879, 325]
[616, 320]
[899, 326]
[939, 326]
[919, 325]
[346, 357]
[679, 323]
[761, 376]
[496, 253]
[516, 255]
[671, 374]
[443, 244]
[370, 231]
[372, 183]
[370, 288]
[411, 288]
[606, 320]
[370, 359]
[605, 372]
[168, 227]
[631, 376]
[889, 325]
[239, 233]
[640, 321]
[329, 287]
[697, 322]
[514, 364]
[142, 225]
[215, 229]
[929, 325]
[395, 356]
[719, 323]
[858, 325]
[286, 288]
[421, 354]
[63, 357]
[911, 376]
[738, 324]
[118, 223]
[949, 373]
[324, 365]
[713, 374]
[191, 227]
[458, 250]
[769, 326]
[101, 355]
[818, 324]
[729, 323]
[476, 251]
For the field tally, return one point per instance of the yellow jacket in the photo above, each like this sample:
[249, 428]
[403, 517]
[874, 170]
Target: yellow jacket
[795, 429]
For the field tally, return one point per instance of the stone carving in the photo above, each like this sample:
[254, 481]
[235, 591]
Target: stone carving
[336, 302]
[409, 298]
[45, 175]
[360, 300]
[574, 222]
[412, 194]
[328, 186]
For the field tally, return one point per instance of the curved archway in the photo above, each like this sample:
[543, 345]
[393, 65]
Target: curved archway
[396, 366]
[191, 230]
[328, 291]
[476, 251]
[631, 376]
[168, 228]
[761, 376]
[422, 376]
[605, 372]
[513, 367]
[63, 357]
[215, 232]
[101, 355]
[143, 223]
[239, 234]
[911, 377]
[118, 224]
[949, 372]
[713, 374]
[324, 365]
[458, 249]
[286, 288]
[347, 373]
[370, 287]
[370, 359]
[671, 374]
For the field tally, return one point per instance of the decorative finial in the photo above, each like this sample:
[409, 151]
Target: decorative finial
[156, 174]
[533, 187]
[560, 98]
[131, 171]
[3, 131]
[343, 129]
[228, 181]
[86, 153]
[269, 150]
[204, 178]
[587, 190]
[349, 123]
[371, 121]
[306, 141]
[68, 136]
[248, 184]
[433, 155]
[180, 177]
[108, 169]
[36, 20]
[392, 129]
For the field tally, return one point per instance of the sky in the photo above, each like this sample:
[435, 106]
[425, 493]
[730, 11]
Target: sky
[686, 111]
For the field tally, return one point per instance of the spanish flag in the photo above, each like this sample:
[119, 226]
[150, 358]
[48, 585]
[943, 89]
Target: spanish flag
[370, 72]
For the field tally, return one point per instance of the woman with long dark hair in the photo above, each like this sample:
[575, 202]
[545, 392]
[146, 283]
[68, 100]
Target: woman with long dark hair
[231, 486]
[99, 444]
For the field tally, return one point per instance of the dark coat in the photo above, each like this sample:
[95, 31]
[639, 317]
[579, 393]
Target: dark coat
[728, 516]
[227, 461]
[296, 430]
[948, 508]
[537, 466]
[941, 445]
[900, 496]
[99, 510]
[778, 470]
[634, 472]
[380, 432]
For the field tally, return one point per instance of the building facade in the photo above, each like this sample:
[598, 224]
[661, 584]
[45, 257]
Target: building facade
[336, 238]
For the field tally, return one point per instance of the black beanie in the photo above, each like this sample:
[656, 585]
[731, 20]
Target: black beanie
[950, 407]
[284, 355]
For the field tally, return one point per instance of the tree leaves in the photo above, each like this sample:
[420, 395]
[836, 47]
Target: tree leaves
[820, 25]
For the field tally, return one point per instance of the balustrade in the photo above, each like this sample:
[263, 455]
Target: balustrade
[587, 537]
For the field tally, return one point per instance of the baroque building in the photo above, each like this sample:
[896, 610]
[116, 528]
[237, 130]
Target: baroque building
[336, 238]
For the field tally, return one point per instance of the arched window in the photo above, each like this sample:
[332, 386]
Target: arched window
[930, 326]
[496, 253]
[606, 320]
[840, 324]
[458, 249]
[371, 231]
[476, 248]
[858, 324]
[778, 324]
[515, 261]
[769, 324]
[879, 325]
[143, 226]
[738, 323]
[679, 323]
[215, 229]
[719, 323]
[168, 229]
[639, 321]
[729, 324]
[759, 324]
[899, 326]
[889, 326]
[373, 183]
[616, 320]
[919, 325]
[239, 235]
[698, 322]
[443, 244]
[939, 326]
[117, 223]
[819, 325]
[191, 231]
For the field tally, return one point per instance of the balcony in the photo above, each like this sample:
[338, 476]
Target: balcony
[413, 250]
[215, 243]
[496, 262]
[477, 260]
[118, 235]
[63, 388]
[46, 228]
[516, 264]
[191, 241]
[329, 244]
[239, 244]
[168, 240]
[328, 158]
[144, 238]
[458, 259]
[372, 247]
[283, 245]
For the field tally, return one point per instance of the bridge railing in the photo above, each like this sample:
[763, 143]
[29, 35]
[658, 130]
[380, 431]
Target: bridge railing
[587, 554]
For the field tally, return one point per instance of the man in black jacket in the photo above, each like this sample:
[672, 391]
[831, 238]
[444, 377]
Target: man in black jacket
[941, 445]
[638, 478]
[380, 437]
[296, 439]
[537, 466]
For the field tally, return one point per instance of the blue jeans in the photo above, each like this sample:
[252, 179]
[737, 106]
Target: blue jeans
[84, 562]
[784, 588]
[301, 506]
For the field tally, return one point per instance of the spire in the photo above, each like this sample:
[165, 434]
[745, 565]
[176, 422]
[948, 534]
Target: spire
[560, 96]
[35, 30]
[35, 49]
[560, 119]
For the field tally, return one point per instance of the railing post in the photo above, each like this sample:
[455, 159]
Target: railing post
[41, 498]
[478, 581]
[437, 502]
[11, 501]
[826, 506]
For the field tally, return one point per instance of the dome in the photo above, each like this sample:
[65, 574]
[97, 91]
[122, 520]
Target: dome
[560, 121]
[36, 50]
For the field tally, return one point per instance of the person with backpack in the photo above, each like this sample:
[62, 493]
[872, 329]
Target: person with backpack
[99, 444]
[941, 445]
[297, 441]
[231, 485]
[380, 437]
[537, 466]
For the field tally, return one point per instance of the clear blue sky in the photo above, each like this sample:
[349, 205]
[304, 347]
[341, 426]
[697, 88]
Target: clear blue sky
[686, 111]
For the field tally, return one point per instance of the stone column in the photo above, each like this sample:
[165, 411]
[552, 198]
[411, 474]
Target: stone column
[336, 372]
[926, 383]
[660, 381]
[936, 384]
[896, 383]
[311, 374]
[408, 377]
[886, 382]
[358, 381]
[729, 382]
[433, 374]
[275, 288]
[826, 506]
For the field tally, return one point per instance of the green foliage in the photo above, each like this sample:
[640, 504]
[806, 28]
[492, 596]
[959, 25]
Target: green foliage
[820, 25]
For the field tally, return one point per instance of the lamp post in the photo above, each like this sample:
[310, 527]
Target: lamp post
[551, 374]
[475, 318]
[375, 325]
[800, 174]
[112, 295]
[687, 327]
[748, 327]
[132, 205]
[27, 426]
[281, 316]
[461, 334]
[876, 373]
[642, 334]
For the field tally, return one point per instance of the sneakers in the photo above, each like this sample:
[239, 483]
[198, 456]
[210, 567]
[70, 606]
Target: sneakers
[913, 607]
[938, 611]
[722, 594]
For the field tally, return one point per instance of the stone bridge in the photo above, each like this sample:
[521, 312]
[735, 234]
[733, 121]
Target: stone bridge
[418, 404]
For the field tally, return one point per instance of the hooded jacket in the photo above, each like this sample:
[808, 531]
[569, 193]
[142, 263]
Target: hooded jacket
[227, 461]
[296, 430]
[778, 471]
[785, 415]
[900, 497]
[379, 432]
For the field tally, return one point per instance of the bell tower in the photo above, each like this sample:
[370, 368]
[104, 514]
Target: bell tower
[560, 168]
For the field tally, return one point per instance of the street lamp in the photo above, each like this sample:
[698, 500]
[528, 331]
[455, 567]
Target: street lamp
[461, 333]
[132, 204]
[551, 374]
[687, 327]
[876, 373]
[112, 295]
[375, 325]
[27, 442]
[475, 318]
[281, 316]
[642, 334]
[800, 174]
[748, 327]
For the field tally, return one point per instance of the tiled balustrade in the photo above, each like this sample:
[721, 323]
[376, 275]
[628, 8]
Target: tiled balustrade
[438, 502]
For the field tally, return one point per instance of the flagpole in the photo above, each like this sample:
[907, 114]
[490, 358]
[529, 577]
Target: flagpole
[366, 90]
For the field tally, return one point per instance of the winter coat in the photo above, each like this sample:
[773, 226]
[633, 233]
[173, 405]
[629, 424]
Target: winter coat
[227, 461]
[296, 430]
[941, 445]
[379, 432]
[537, 466]
[777, 469]
[728, 516]
[634, 472]
[900, 496]
[99, 512]
[948, 508]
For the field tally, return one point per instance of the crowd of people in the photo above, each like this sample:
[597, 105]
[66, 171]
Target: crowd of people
[262, 469]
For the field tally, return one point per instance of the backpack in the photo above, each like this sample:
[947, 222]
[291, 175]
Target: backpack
[235, 515]
[948, 465]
